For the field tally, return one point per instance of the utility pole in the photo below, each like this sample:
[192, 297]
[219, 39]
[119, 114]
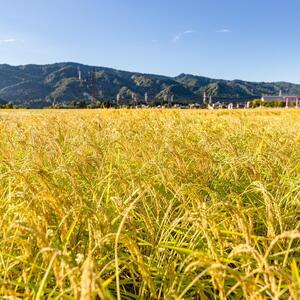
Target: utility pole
[204, 98]
[118, 99]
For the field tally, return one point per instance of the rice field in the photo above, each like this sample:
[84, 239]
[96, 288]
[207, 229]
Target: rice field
[150, 204]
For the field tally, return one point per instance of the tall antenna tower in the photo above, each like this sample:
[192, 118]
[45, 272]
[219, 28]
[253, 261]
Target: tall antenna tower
[204, 98]
[166, 99]
[170, 100]
[79, 74]
[94, 89]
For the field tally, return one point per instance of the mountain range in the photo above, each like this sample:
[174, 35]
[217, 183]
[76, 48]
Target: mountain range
[60, 83]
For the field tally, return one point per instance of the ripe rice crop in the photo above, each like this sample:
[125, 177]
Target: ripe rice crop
[150, 204]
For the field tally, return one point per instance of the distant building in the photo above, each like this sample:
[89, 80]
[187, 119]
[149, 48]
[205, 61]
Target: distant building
[286, 99]
[294, 99]
[219, 105]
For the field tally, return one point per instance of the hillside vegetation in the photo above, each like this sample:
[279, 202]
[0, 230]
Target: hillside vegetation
[150, 204]
[43, 85]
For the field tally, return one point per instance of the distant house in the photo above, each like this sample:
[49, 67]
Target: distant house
[219, 105]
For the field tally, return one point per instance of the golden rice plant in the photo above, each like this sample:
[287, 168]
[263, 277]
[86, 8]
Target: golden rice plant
[150, 204]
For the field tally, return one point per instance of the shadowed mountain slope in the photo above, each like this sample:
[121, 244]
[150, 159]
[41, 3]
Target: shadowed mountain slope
[43, 85]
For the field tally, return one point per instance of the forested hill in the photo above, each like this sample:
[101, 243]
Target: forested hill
[43, 85]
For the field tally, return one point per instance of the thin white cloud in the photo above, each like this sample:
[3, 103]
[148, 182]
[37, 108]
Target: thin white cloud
[179, 35]
[223, 30]
[7, 41]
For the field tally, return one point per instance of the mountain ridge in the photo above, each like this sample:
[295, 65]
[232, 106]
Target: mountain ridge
[37, 85]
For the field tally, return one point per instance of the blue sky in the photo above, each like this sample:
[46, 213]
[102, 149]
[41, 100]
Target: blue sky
[231, 39]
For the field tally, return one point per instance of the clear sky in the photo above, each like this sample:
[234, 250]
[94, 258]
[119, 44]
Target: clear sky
[255, 40]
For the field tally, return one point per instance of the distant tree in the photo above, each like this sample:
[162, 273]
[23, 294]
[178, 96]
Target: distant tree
[275, 103]
[8, 105]
[82, 104]
[258, 102]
